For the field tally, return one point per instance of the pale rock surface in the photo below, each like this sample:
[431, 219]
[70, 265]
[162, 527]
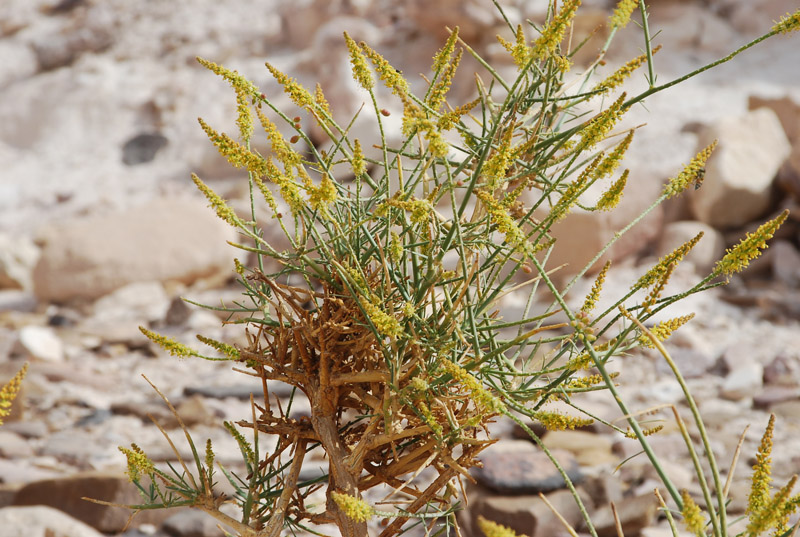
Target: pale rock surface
[166, 240]
[42, 521]
[18, 256]
[739, 174]
[144, 301]
[706, 252]
[41, 343]
[744, 381]
[785, 262]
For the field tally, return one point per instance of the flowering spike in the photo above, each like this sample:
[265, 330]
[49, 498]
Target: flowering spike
[283, 151]
[359, 167]
[244, 118]
[622, 13]
[9, 392]
[443, 56]
[268, 197]
[437, 94]
[355, 508]
[594, 294]
[222, 209]
[479, 394]
[236, 154]
[553, 32]
[321, 197]
[760, 482]
[616, 78]
[320, 99]
[555, 421]
[297, 93]
[237, 81]
[138, 463]
[660, 268]
[690, 173]
[395, 248]
[692, 516]
[224, 348]
[597, 129]
[749, 248]
[788, 23]
[664, 329]
[170, 345]
[570, 196]
[612, 161]
[447, 120]
[430, 419]
[520, 52]
[493, 529]
[384, 323]
[390, 76]
[244, 445]
[361, 72]
[496, 166]
[610, 199]
[499, 216]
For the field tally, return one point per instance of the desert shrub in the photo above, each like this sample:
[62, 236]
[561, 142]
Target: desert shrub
[383, 312]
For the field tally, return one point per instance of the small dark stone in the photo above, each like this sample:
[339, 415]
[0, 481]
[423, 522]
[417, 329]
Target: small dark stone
[94, 418]
[60, 320]
[178, 312]
[142, 148]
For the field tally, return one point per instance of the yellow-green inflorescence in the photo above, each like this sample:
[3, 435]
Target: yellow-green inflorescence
[495, 167]
[570, 196]
[9, 392]
[480, 394]
[499, 216]
[444, 54]
[138, 463]
[390, 76]
[762, 472]
[237, 81]
[443, 83]
[619, 76]
[228, 350]
[359, 167]
[555, 421]
[609, 164]
[170, 345]
[788, 23]
[222, 209]
[611, 197]
[622, 13]
[493, 529]
[594, 295]
[749, 248]
[657, 272]
[664, 329]
[690, 173]
[596, 130]
[520, 52]
[354, 508]
[692, 516]
[297, 93]
[553, 32]
[385, 324]
[358, 61]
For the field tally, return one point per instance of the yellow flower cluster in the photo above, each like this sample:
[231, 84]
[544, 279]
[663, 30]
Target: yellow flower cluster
[222, 209]
[520, 52]
[611, 197]
[585, 382]
[390, 76]
[499, 216]
[244, 118]
[762, 470]
[268, 197]
[493, 529]
[622, 13]
[430, 419]
[446, 121]
[658, 288]
[555, 421]
[361, 71]
[788, 23]
[320, 99]
[355, 508]
[237, 81]
[170, 345]
[570, 196]
[479, 394]
[443, 56]
[645, 432]
[297, 93]
[692, 516]
[415, 120]
[619, 76]
[395, 248]
[321, 197]
[359, 167]
[496, 166]
[283, 151]
[384, 323]
[690, 173]
[664, 329]
[749, 248]
[224, 348]
[236, 154]
[553, 32]
[596, 129]
[244, 445]
[439, 91]
[138, 463]
[612, 161]
[594, 295]
[9, 392]
[287, 186]
[659, 269]
[420, 209]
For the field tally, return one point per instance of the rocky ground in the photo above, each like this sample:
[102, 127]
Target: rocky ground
[101, 232]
